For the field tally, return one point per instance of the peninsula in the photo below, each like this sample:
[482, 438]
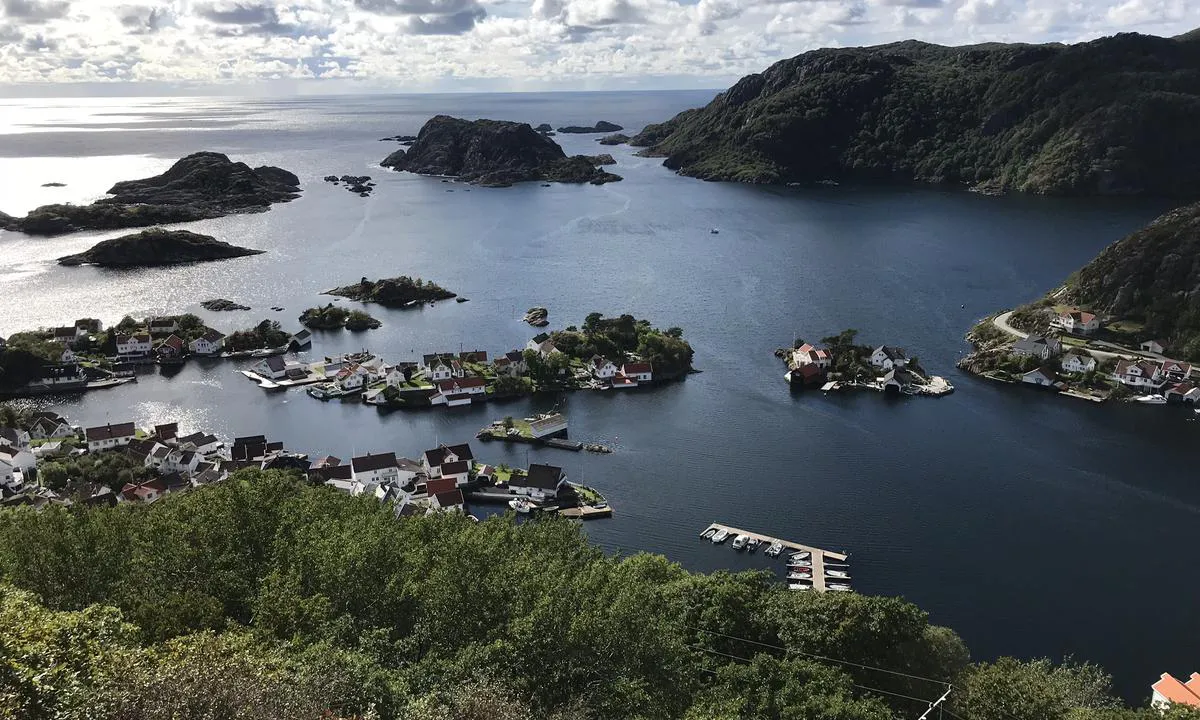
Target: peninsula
[1096, 118]
[493, 153]
[397, 292]
[200, 186]
[157, 246]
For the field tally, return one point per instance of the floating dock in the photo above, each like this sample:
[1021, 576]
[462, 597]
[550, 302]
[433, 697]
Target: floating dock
[819, 557]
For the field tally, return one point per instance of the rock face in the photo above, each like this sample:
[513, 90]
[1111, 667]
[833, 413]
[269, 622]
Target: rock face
[222, 305]
[1103, 117]
[600, 127]
[200, 186]
[614, 139]
[402, 291]
[492, 152]
[157, 246]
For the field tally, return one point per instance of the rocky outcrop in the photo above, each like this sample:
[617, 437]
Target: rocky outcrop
[537, 317]
[200, 186]
[1103, 117]
[602, 159]
[492, 152]
[614, 139]
[600, 127]
[222, 305]
[360, 185]
[155, 247]
[402, 291]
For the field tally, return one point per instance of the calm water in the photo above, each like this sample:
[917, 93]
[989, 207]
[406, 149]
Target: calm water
[1032, 525]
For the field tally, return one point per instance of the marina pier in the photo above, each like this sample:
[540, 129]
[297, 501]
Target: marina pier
[819, 556]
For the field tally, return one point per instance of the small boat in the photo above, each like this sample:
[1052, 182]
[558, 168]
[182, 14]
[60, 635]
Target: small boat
[837, 574]
[521, 506]
[753, 544]
[707, 534]
[839, 587]
[1151, 399]
[774, 549]
[799, 576]
[799, 586]
[714, 231]
[802, 555]
[720, 537]
[263, 353]
[739, 542]
[799, 563]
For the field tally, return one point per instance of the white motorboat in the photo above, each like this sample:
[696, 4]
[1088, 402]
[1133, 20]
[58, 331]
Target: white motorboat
[800, 563]
[774, 549]
[800, 576]
[521, 506]
[740, 541]
[799, 586]
[1151, 399]
[707, 534]
[837, 574]
[839, 587]
[720, 536]
[802, 555]
[753, 544]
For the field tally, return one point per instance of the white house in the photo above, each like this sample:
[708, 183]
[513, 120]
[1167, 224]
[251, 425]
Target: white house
[1176, 370]
[436, 367]
[272, 368]
[542, 481]
[20, 460]
[9, 476]
[134, 346]
[107, 437]
[379, 468]
[163, 326]
[1153, 346]
[1039, 377]
[1078, 363]
[511, 363]
[49, 426]
[448, 460]
[1038, 346]
[202, 443]
[1170, 691]
[542, 345]
[68, 356]
[450, 501]
[809, 355]
[14, 438]
[1076, 321]
[462, 391]
[1138, 374]
[887, 357]
[547, 425]
[602, 368]
[639, 371]
[64, 335]
[47, 449]
[210, 343]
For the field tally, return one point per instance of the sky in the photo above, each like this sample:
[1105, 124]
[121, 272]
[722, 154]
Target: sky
[501, 45]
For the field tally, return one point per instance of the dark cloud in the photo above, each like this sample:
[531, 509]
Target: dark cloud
[248, 19]
[141, 19]
[36, 11]
[455, 24]
[916, 3]
[417, 7]
[34, 43]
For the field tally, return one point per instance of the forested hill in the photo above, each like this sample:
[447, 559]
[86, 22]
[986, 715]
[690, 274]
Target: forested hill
[263, 597]
[1112, 116]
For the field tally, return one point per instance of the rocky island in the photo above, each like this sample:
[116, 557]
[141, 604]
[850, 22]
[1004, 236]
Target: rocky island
[332, 317]
[154, 247]
[614, 139]
[601, 127]
[200, 186]
[493, 153]
[397, 292]
[222, 305]
[1102, 117]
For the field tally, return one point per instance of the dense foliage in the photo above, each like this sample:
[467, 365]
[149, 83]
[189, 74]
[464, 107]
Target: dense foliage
[614, 338]
[266, 334]
[263, 597]
[1111, 116]
[332, 317]
[400, 291]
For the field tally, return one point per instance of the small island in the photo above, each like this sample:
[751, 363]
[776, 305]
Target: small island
[155, 247]
[537, 316]
[493, 153]
[614, 139]
[601, 127]
[222, 305]
[840, 363]
[200, 186]
[398, 292]
[360, 185]
[332, 317]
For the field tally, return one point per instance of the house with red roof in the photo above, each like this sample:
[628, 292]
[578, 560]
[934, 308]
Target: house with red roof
[639, 371]
[1076, 321]
[460, 391]
[1170, 691]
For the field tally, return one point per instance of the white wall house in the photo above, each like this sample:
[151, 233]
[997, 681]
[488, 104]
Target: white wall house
[1039, 377]
[1077, 322]
[1038, 346]
[602, 368]
[134, 346]
[379, 468]
[446, 458]
[20, 460]
[1138, 374]
[1078, 363]
[107, 437]
[1153, 346]
[210, 343]
[1170, 691]
[272, 368]
[640, 371]
[886, 357]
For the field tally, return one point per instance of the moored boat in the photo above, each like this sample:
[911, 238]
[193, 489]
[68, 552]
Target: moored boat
[839, 587]
[837, 574]
[739, 542]
[799, 576]
[1151, 399]
[707, 534]
[520, 505]
[774, 549]
[799, 586]
[802, 555]
[720, 537]
[800, 563]
[753, 544]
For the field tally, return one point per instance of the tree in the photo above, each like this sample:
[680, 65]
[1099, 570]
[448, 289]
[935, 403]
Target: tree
[592, 322]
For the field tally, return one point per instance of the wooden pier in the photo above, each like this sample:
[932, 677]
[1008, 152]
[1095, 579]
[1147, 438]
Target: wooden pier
[817, 555]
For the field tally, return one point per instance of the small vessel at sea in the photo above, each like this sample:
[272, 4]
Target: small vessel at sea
[740, 541]
[720, 537]
[520, 505]
[1151, 399]
[774, 549]
[714, 231]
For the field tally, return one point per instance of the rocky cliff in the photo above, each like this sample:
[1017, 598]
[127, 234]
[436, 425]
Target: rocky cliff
[1112, 116]
[492, 152]
[154, 247]
[199, 186]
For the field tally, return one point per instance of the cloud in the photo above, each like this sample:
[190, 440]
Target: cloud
[36, 11]
[428, 17]
[986, 12]
[140, 19]
[248, 19]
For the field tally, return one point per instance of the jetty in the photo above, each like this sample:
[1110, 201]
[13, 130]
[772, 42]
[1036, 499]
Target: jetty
[819, 557]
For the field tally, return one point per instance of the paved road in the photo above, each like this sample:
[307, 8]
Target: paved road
[1001, 322]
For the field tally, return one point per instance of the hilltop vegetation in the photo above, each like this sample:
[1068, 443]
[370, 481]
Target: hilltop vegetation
[332, 317]
[263, 597]
[402, 291]
[613, 338]
[1106, 117]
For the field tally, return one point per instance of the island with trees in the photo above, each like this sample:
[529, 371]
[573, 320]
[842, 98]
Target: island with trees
[839, 362]
[397, 292]
[155, 247]
[332, 317]
[200, 186]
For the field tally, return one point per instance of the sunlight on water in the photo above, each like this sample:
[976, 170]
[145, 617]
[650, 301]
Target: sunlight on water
[86, 178]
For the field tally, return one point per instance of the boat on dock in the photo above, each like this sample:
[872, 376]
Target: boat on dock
[799, 586]
[720, 536]
[520, 505]
[799, 576]
[752, 544]
[1151, 400]
[707, 534]
[775, 549]
[839, 587]
[800, 563]
[802, 555]
[840, 574]
[739, 542]
[805, 563]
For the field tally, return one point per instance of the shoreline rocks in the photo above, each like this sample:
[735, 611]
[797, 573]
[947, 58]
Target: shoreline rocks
[614, 139]
[222, 305]
[360, 185]
[399, 292]
[537, 317]
[601, 127]
[156, 247]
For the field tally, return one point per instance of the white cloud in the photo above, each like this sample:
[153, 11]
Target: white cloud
[524, 44]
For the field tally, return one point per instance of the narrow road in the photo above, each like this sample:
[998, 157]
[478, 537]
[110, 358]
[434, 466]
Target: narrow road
[1001, 322]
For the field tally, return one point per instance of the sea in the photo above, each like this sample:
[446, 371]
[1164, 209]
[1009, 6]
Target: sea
[1034, 525]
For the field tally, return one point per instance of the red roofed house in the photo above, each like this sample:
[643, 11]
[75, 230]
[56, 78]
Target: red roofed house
[640, 371]
[806, 354]
[1169, 691]
[602, 368]
[437, 486]
[1138, 374]
[1175, 370]
[172, 347]
[459, 392]
[449, 501]
[1074, 320]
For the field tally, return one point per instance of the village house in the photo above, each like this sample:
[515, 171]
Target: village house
[64, 335]
[451, 501]
[1178, 392]
[49, 426]
[48, 449]
[1038, 346]
[300, 340]
[543, 481]
[172, 348]
[1170, 691]
[210, 343]
[460, 392]
[68, 356]
[436, 367]
[146, 492]
[272, 368]
[479, 357]
[1076, 321]
[1154, 346]
[107, 437]
[621, 382]
[1041, 377]
[1078, 363]
[379, 468]
[15, 438]
[542, 345]
[639, 371]
[200, 442]
[807, 354]
[61, 376]
[892, 382]
[1138, 374]
[20, 462]
[602, 368]
[886, 357]
[163, 326]
[548, 425]
[166, 432]
[131, 347]
[448, 460]
[1176, 371]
